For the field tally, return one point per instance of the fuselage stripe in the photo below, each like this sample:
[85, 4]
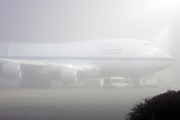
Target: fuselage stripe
[90, 58]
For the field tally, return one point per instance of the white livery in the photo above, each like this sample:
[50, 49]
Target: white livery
[68, 62]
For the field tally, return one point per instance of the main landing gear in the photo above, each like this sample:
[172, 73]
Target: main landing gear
[33, 80]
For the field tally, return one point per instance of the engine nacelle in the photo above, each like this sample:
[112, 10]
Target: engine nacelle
[68, 75]
[92, 71]
[11, 70]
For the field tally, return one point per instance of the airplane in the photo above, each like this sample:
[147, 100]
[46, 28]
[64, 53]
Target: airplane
[37, 64]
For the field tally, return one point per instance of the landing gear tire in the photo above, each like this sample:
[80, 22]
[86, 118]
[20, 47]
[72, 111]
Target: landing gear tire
[30, 79]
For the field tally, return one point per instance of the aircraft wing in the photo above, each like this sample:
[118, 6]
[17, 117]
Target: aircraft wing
[39, 63]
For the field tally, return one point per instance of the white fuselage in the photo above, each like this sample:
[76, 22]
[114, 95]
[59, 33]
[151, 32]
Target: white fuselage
[115, 57]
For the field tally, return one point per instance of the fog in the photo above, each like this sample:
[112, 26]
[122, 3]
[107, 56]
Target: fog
[61, 21]
[67, 20]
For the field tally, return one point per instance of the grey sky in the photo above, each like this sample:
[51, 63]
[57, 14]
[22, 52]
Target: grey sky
[69, 20]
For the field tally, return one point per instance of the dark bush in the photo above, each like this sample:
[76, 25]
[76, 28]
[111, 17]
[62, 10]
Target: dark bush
[165, 106]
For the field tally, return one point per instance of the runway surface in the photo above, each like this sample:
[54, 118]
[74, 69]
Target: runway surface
[72, 103]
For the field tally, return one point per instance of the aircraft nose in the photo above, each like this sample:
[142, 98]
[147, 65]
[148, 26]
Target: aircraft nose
[170, 60]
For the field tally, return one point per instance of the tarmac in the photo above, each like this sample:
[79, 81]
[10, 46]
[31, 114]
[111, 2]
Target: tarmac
[72, 103]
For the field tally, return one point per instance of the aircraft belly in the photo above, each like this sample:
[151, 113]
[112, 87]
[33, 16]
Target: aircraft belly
[126, 67]
[113, 67]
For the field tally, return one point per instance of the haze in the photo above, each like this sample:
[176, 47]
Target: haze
[60, 21]
[75, 20]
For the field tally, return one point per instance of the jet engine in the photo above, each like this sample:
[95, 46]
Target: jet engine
[69, 75]
[91, 71]
[11, 70]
